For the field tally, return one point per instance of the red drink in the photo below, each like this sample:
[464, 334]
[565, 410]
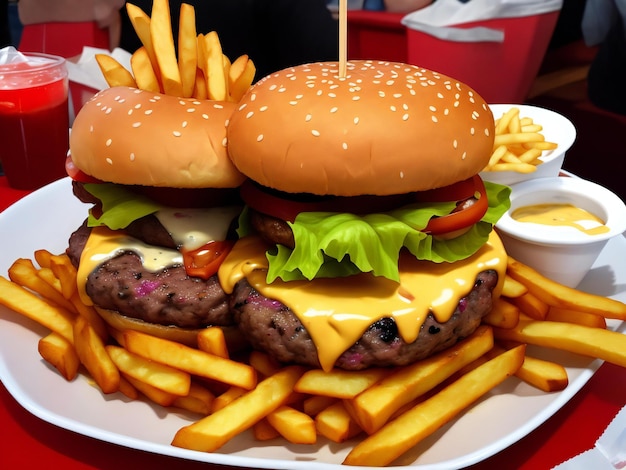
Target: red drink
[34, 121]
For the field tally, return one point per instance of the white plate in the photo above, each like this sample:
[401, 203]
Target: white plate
[46, 218]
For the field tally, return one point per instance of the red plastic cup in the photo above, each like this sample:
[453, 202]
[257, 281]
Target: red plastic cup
[34, 120]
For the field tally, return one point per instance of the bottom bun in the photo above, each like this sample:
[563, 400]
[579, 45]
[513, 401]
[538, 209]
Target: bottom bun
[234, 339]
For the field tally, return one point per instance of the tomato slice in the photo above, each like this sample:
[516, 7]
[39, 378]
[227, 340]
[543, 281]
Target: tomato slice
[288, 207]
[76, 174]
[204, 262]
[271, 203]
[465, 217]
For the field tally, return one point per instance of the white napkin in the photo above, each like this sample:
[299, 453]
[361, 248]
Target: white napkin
[86, 70]
[609, 452]
[439, 18]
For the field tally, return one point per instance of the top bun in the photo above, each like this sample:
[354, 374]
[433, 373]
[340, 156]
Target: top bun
[130, 136]
[383, 128]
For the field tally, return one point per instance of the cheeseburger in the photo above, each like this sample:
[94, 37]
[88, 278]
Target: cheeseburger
[366, 239]
[165, 195]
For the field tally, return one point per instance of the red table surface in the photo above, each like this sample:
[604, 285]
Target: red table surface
[29, 442]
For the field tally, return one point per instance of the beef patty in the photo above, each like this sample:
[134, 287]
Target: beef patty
[272, 327]
[168, 297]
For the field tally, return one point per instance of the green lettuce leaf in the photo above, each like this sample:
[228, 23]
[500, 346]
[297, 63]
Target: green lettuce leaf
[120, 206]
[337, 244]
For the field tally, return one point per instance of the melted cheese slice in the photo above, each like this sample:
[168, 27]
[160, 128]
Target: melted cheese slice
[336, 312]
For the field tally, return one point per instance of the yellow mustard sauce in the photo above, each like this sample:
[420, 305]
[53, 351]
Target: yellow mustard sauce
[563, 215]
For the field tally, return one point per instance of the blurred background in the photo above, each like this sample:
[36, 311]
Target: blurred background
[582, 81]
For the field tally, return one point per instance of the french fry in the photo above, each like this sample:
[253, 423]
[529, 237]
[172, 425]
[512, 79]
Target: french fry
[190, 360]
[34, 307]
[60, 353]
[240, 81]
[142, 70]
[225, 398]
[574, 316]
[339, 383]
[372, 408]
[141, 24]
[213, 67]
[89, 313]
[263, 363]
[212, 432]
[558, 295]
[127, 389]
[24, 273]
[513, 288]
[187, 49]
[94, 357]
[335, 423]
[212, 340]
[503, 314]
[406, 431]
[158, 396]
[588, 341]
[544, 375]
[518, 144]
[264, 431]
[199, 400]
[158, 375]
[114, 73]
[43, 258]
[531, 306]
[65, 271]
[295, 426]
[316, 403]
[163, 43]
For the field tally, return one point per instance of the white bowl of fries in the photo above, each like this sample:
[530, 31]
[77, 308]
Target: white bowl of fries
[562, 247]
[530, 142]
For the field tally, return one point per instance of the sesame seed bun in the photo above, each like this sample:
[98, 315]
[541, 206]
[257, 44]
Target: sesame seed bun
[385, 128]
[130, 136]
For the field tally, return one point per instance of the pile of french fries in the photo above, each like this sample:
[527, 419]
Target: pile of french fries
[197, 68]
[387, 411]
[518, 143]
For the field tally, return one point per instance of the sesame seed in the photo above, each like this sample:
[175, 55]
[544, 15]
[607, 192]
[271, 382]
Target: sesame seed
[191, 110]
[307, 118]
[455, 144]
[344, 145]
[108, 111]
[432, 108]
[184, 124]
[393, 108]
[130, 111]
[108, 142]
[136, 124]
[293, 102]
[472, 131]
[91, 129]
[224, 142]
[356, 98]
[109, 161]
[138, 105]
[176, 133]
[205, 116]
[315, 132]
[132, 157]
[434, 119]
[148, 112]
[250, 114]
[333, 109]
[464, 155]
[263, 108]
[356, 120]
[259, 138]
[405, 117]
[401, 174]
